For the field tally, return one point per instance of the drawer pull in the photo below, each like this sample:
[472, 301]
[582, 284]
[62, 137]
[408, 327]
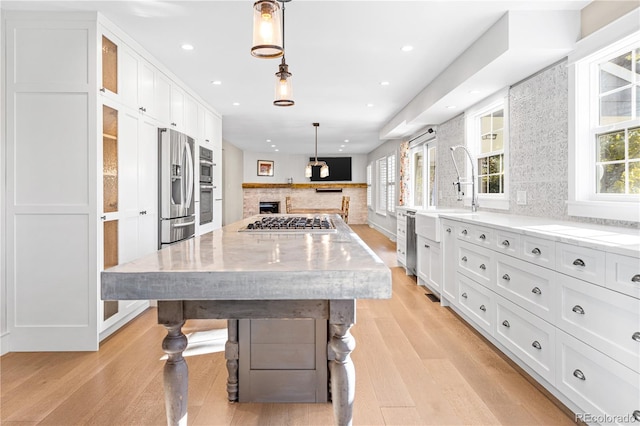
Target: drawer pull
[506, 277]
[506, 323]
[448, 229]
[464, 258]
[536, 251]
[636, 336]
[483, 237]
[536, 345]
[636, 415]
[536, 290]
[578, 310]
[464, 232]
[483, 308]
[483, 267]
[103, 217]
[505, 243]
[464, 295]
[579, 374]
[426, 246]
[578, 262]
[636, 279]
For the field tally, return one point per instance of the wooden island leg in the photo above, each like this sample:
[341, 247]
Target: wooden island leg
[231, 354]
[343, 375]
[176, 374]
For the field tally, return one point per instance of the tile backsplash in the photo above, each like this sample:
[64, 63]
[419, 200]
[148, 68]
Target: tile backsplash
[538, 149]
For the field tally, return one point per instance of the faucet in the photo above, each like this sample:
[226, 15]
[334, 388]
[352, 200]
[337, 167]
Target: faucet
[458, 183]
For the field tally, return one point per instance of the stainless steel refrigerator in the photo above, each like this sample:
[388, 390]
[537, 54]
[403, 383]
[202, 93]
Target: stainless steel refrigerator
[176, 187]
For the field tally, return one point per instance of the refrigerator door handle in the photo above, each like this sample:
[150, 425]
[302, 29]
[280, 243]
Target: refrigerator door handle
[189, 173]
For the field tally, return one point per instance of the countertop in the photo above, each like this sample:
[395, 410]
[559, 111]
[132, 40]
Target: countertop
[624, 241]
[229, 265]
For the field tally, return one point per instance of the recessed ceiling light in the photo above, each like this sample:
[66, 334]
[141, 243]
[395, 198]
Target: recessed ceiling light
[273, 146]
[384, 83]
[187, 46]
[346, 140]
[341, 146]
[216, 82]
[369, 105]
[268, 140]
[340, 150]
[451, 107]
[276, 150]
[236, 104]
[407, 48]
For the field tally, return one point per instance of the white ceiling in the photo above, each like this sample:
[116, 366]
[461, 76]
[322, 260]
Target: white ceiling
[338, 52]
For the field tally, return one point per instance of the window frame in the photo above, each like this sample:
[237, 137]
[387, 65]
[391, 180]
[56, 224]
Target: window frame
[473, 132]
[584, 201]
[392, 193]
[369, 185]
[424, 145]
[381, 191]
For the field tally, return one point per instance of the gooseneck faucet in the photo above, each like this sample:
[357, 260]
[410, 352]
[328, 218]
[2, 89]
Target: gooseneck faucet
[458, 183]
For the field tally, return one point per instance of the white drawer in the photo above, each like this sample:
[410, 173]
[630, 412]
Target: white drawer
[606, 320]
[507, 242]
[581, 262]
[527, 336]
[476, 302]
[401, 231]
[530, 286]
[623, 274]
[539, 251]
[597, 384]
[476, 262]
[483, 236]
[464, 232]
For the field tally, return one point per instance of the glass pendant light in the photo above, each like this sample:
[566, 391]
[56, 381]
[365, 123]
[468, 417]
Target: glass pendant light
[284, 88]
[267, 30]
[324, 169]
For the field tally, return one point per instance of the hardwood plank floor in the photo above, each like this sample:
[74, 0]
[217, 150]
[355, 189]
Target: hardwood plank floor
[416, 363]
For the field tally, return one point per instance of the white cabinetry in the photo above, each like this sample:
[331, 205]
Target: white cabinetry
[568, 314]
[429, 267]
[401, 238]
[449, 247]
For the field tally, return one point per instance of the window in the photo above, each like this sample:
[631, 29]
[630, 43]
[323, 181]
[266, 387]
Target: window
[381, 199]
[487, 140]
[423, 158]
[391, 183]
[604, 139]
[369, 182]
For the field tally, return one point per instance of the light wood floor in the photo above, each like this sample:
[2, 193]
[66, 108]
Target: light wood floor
[416, 364]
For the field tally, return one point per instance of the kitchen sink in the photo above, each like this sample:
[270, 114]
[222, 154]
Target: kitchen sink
[428, 221]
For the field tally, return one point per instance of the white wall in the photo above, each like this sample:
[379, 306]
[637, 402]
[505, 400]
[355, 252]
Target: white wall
[232, 171]
[292, 166]
[385, 224]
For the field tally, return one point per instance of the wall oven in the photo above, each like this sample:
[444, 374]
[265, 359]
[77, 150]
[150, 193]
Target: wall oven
[206, 185]
[206, 165]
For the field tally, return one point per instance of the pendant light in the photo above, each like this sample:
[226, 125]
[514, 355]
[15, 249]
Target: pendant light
[267, 30]
[324, 169]
[284, 88]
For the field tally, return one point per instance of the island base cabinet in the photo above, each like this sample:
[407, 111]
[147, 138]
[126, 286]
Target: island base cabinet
[605, 391]
[282, 360]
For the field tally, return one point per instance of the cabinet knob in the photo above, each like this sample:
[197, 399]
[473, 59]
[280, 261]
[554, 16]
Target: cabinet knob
[464, 258]
[174, 124]
[102, 89]
[536, 345]
[635, 278]
[483, 237]
[206, 140]
[103, 217]
[506, 277]
[578, 262]
[143, 109]
[536, 290]
[506, 243]
[483, 267]
[449, 230]
[464, 295]
[636, 336]
[426, 246]
[483, 308]
[464, 232]
[536, 251]
[506, 323]
[578, 310]
[143, 212]
[579, 374]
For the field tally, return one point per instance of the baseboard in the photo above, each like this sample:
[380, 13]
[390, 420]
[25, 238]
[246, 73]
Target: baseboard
[4, 343]
[390, 235]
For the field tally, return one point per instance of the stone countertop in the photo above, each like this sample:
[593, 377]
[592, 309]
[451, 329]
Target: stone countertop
[619, 240]
[229, 265]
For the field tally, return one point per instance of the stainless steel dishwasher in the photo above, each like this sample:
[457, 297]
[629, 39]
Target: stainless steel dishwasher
[411, 242]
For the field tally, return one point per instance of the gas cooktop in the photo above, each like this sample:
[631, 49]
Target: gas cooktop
[300, 224]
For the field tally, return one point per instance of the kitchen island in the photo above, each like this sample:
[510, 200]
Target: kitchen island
[234, 273]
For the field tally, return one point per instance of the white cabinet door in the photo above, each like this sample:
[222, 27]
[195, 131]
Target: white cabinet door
[448, 262]
[191, 117]
[146, 89]
[129, 71]
[434, 274]
[162, 99]
[177, 108]
[217, 214]
[209, 127]
[147, 186]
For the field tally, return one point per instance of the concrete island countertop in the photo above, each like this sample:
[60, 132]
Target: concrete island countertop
[229, 265]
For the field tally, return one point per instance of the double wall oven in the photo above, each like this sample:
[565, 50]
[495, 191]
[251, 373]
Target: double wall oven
[206, 185]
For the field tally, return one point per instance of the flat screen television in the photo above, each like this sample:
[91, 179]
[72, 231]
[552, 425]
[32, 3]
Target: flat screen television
[339, 169]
